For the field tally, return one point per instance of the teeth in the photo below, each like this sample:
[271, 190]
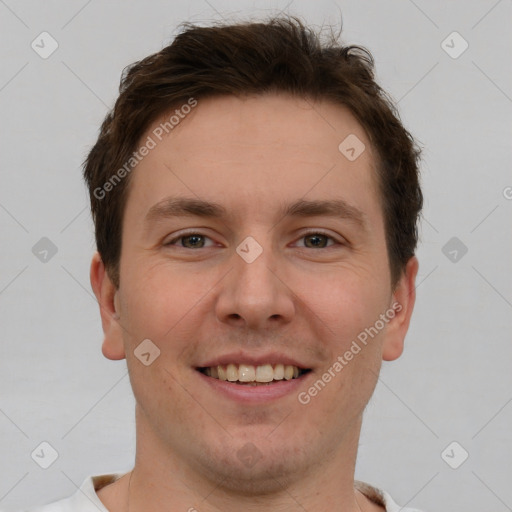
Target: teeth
[246, 373]
[288, 372]
[265, 373]
[221, 370]
[232, 372]
[279, 372]
[251, 374]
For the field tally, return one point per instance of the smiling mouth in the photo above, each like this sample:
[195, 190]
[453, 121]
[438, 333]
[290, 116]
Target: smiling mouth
[250, 375]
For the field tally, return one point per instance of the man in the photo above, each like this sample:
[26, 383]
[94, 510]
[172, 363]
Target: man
[255, 200]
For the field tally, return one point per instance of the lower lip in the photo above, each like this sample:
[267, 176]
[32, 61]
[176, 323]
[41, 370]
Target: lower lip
[255, 394]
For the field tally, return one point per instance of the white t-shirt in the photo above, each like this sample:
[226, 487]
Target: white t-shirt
[86, 500]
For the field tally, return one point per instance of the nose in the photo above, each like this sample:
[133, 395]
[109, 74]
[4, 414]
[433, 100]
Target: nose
[254, 295]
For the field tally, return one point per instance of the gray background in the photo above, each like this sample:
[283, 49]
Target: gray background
[453, 382]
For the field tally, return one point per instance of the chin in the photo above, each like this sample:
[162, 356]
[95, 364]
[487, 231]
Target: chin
[263, 478]
[248, 471]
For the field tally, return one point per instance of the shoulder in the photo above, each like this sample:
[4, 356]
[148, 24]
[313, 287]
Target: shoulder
[381, 497]
[85, 499]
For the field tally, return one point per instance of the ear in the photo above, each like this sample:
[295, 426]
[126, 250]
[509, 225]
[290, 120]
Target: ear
[403, 300]
[106, 295]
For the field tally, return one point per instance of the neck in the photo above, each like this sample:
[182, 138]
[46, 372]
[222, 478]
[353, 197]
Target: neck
[161, 478]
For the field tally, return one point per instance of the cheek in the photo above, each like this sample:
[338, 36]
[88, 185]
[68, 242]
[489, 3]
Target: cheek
[345, 302]
[158, 299]
[161, 397]
[349, 308]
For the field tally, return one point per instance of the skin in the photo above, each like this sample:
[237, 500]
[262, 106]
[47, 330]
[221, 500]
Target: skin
[251, 155]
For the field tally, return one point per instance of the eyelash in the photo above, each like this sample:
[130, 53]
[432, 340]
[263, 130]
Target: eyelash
[304, 235]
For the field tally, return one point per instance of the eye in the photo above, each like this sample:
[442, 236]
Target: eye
[194, 240]
[189, 241]
[318, 239]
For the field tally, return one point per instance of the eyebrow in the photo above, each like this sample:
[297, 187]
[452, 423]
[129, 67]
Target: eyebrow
[185, 207]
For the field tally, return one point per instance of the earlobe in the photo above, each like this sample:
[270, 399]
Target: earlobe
[108, 300]
[402, 302]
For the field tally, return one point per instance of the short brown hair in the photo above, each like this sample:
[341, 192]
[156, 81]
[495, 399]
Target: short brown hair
[280, 55]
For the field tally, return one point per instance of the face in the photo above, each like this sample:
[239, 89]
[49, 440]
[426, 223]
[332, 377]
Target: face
[251, 240]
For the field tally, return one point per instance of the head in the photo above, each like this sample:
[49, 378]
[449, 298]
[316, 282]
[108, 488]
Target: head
[270, 133]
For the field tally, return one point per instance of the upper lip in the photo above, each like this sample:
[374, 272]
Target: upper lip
[251, 359]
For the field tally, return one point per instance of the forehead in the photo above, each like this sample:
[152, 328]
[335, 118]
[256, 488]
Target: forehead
[269, 120]
[260, 148]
